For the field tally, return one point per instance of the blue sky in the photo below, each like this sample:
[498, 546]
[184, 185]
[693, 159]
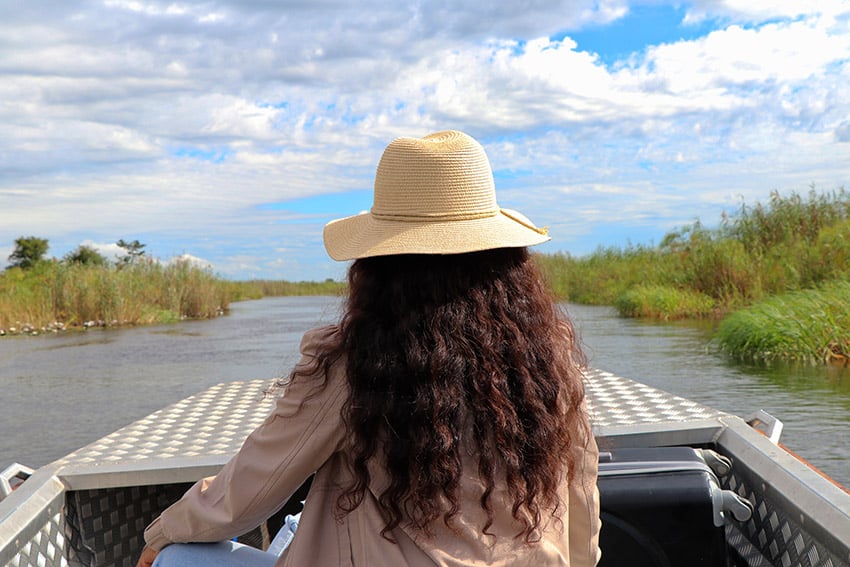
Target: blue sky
[233, 130]
[641, 27]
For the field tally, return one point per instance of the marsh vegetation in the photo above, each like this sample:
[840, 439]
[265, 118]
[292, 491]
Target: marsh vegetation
[55, 295]
[777, 273]
[84, 289]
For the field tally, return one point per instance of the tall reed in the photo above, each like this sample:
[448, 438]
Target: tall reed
[791, 243]
[77, 294]
[603, 276]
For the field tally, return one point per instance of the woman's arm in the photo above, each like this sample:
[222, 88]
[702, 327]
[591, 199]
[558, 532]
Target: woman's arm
[147, 557]
[302, 432]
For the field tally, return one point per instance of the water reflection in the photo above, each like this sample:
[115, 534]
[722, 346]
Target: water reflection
[805, 378]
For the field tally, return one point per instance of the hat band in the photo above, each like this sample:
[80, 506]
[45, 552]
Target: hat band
[436, 217]
[539, 230]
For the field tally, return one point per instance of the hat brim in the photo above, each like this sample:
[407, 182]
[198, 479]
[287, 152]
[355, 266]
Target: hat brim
[364, 235]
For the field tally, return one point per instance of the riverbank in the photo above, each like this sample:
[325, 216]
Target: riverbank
[793, 251]
[257, 289]
[56, 296]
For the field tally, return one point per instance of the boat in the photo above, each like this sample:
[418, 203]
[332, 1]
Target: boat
[91, 506]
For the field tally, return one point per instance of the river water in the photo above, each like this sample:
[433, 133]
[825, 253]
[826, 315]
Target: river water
[61, 392]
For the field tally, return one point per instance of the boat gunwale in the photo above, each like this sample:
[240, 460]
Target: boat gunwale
[815, 503]
[28, 511]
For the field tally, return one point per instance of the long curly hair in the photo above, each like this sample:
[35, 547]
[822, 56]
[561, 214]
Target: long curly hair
[453, 353]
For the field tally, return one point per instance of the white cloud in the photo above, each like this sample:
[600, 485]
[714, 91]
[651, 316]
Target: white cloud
[842, 131]
[111, 251]
[749, 57]
[176, 121]
[762, 10]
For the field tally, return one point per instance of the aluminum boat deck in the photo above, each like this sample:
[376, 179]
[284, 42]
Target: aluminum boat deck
[90, 507]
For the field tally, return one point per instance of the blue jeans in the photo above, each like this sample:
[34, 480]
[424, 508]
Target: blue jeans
[220, 554]
[228, 553]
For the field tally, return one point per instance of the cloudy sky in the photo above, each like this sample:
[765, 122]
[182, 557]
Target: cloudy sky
[232, 130]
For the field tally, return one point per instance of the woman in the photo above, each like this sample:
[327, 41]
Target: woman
[443, 416]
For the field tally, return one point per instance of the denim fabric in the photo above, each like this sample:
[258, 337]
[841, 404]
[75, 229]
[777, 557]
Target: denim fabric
[228, 553]
[284, 537]
[220, 554]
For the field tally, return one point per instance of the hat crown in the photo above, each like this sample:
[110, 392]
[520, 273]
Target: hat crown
[433, 195]
[445, 175]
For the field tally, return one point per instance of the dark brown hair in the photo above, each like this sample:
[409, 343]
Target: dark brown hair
[452, 353]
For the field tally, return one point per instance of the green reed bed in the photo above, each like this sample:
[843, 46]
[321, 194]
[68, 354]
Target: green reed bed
[791, 243]
[664, 302]
[809, 326]
[256, 289]
[603, 276]
[56, 295]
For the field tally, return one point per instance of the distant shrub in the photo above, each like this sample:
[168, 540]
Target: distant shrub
[86, 255]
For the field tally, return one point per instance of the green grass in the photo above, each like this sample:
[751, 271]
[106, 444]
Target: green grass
[809, 326]
[776, 268]
[778, 275]
[602, 277]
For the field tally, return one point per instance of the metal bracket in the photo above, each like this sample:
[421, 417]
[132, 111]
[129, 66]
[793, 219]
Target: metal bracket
[15, 471]
[767, 424]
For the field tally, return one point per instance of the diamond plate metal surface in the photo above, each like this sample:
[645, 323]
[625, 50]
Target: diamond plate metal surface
[616, 401]
[45, 548]
[213, 422]
[104, 525]
[781, 539]
[32, 529]
[216, 421]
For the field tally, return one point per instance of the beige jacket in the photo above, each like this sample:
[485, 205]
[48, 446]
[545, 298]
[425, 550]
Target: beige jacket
[303, 435]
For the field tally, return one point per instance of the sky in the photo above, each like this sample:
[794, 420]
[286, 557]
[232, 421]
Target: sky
[231, 131]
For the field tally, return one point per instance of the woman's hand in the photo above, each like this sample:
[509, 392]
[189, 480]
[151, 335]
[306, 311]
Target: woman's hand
[147, 557]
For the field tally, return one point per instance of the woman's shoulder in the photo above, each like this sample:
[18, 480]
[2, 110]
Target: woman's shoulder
[320, 339]
[320, 371]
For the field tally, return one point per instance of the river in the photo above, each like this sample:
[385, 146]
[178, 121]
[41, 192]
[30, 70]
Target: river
[61, 392]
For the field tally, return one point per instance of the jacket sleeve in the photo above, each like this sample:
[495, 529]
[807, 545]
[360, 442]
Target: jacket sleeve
[302, 432]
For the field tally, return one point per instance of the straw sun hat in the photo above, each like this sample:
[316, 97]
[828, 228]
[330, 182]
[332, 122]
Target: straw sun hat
[433, 195]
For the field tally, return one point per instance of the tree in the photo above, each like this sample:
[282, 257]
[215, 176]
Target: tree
[29, 250]
[133, 251]
[86, 255]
